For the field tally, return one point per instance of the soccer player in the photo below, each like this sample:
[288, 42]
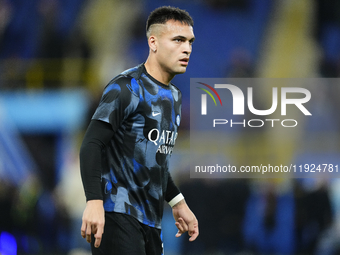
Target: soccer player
[124, 157]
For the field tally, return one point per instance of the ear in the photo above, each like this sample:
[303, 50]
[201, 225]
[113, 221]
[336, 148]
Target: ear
[153, 43]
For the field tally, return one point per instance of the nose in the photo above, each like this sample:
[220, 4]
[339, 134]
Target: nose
[187, 48]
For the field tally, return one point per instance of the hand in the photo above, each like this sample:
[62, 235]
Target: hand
[93, 221]
[185, 220]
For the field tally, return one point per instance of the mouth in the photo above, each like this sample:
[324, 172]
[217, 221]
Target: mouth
[184, 61]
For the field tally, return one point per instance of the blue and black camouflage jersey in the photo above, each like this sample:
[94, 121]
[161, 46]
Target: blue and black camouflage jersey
[145, 115]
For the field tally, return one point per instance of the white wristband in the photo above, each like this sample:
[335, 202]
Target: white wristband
[176, 199]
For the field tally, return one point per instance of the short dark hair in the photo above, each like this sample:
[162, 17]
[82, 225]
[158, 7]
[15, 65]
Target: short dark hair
[165, 13]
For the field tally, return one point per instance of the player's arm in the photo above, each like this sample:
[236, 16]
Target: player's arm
[185, 219]
[97, 135]
[119, 99]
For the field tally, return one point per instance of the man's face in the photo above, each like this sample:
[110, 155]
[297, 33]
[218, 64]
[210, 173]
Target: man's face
[174, 46]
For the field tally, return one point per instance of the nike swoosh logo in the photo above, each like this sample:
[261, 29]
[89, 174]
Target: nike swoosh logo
[155, 113]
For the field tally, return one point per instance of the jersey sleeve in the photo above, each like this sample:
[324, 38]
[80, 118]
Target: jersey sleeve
[120, 98]
[172, 190]
[97, 135]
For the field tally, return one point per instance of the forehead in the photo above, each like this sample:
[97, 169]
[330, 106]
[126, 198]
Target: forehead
[173, 28]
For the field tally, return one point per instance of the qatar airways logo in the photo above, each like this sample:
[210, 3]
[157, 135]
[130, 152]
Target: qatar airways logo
[239, 105]
[165, 140]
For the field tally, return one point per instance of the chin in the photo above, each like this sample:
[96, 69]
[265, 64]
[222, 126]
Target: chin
[181, 70]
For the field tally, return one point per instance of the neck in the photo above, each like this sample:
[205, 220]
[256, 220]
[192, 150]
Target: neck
[156, 71]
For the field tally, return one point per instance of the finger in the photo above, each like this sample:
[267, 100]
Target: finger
[179, 227]
[88, 233]
[180, 230]
[193, 231]
[97, 241]
[98, 237]
[83, 229]
[178, 234]
[194, 236]
[183, 224]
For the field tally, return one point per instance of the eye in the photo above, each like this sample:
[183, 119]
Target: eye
[178, 40]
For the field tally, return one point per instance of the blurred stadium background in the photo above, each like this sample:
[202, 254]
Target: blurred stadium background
[56, 56]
